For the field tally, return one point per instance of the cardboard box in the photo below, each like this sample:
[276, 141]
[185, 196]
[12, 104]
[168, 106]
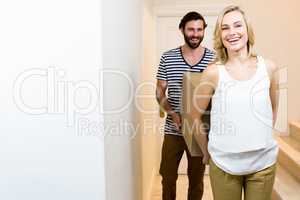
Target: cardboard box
[190, 81]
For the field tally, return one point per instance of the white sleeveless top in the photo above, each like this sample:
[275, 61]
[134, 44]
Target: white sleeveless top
[240, 137]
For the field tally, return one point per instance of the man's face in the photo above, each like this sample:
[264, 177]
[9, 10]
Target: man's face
[193, 33]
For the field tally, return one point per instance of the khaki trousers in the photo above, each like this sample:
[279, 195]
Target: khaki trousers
[256, 186]
[172, 151]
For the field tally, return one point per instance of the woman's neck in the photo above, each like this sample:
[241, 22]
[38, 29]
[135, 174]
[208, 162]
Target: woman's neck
[238, 56]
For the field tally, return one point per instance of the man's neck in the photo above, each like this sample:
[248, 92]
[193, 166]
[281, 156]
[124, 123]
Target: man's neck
[188, 51]
[192, 56]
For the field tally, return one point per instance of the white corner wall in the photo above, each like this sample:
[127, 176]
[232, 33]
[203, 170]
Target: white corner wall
[122, 46]
[50, 61]
[149, 108]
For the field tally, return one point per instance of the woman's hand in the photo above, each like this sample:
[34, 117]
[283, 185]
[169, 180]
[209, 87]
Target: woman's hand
[205, 158]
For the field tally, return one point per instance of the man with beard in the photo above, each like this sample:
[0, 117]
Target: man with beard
[190, 57]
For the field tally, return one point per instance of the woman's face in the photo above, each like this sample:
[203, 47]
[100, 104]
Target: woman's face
[234, 32]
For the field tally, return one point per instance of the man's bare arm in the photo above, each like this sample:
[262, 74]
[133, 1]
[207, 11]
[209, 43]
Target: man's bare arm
[161, 87]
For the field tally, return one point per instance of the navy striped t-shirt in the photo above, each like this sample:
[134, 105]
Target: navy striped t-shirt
[171, 68]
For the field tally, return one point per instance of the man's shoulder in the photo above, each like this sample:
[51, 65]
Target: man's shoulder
[172, 52]
[210, 52]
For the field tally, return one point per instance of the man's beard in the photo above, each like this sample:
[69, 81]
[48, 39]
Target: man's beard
[192, 45]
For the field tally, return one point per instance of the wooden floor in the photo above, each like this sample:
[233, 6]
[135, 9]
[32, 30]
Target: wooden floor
[182, 187]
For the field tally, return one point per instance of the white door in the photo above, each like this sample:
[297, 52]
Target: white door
[169, 37]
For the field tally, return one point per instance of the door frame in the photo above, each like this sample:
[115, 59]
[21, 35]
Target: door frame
[180, 10]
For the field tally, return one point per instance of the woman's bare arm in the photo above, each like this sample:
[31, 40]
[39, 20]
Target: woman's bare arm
[273, 71]
[202, 96]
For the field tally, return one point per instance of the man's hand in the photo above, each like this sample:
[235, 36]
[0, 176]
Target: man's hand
[176, 120]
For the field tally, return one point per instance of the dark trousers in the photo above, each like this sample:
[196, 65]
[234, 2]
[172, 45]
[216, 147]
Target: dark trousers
[172, 151]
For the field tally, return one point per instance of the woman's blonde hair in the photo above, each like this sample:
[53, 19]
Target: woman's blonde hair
[222, 55]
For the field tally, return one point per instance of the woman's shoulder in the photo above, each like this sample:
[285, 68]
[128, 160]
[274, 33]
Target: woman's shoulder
[211, 73]
[271, 65]
[211, 69]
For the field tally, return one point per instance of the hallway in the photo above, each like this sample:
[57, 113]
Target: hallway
[160, 33]
[182, 187]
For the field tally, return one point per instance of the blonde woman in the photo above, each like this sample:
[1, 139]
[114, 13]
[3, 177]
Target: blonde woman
[242, 86]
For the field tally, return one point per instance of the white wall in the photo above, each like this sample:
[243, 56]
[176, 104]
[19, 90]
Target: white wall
[122, 39]
[43, 156]
[149, 109]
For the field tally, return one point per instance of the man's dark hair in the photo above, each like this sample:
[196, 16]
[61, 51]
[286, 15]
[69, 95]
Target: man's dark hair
[189, 17]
